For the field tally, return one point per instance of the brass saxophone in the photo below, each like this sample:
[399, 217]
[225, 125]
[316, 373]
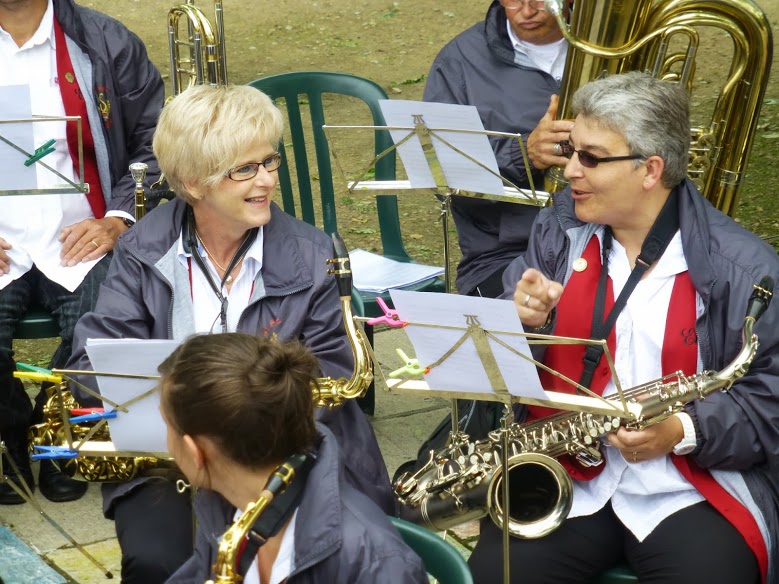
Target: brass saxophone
[224, 566]
[54, 432]
[463, 481]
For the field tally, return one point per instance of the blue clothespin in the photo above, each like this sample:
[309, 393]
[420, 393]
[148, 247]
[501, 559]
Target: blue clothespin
[47, 148]
[93, 417]
[411, 367]
[53, 453]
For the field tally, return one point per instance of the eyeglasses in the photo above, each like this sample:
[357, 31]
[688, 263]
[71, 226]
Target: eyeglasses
[250, 169]
[589, 160]
[518, 4]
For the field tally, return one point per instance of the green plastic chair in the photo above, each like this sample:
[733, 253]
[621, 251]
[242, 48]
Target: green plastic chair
[441, 559]
[312, 84]
[621, 574]
[38, 323]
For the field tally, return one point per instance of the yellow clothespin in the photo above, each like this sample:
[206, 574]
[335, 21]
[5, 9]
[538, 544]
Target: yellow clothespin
[411, 366]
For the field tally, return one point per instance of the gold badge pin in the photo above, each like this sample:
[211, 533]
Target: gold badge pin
[579, 264]
[69, 77]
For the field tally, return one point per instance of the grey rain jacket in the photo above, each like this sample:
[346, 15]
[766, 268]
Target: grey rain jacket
[478, 68]
[111, 66]
[146, 295]
[738, 431]
[340, 535]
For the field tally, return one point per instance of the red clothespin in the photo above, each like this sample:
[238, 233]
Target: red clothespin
[390, 317]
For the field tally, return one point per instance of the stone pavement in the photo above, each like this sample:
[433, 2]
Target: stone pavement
[31, 550]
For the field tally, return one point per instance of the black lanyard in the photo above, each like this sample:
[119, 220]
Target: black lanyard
[665, 226]
[189, 239]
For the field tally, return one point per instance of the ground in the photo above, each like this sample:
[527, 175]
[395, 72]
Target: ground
[393, 43]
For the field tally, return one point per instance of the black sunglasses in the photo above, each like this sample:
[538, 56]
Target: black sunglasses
[250, 169]
[589, 160]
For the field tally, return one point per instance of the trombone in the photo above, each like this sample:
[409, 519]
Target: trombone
[197, 57]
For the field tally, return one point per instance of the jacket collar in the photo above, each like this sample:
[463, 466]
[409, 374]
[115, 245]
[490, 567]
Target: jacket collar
[496, 34]
[284, 269]
[696, 235]
[320, 509]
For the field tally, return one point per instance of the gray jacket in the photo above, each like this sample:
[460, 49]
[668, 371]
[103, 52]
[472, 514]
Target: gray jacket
[340, 535]
[478, 67]
[146, 295]
[127, 93]
[738, 430]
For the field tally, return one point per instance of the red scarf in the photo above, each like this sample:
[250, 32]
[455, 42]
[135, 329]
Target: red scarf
[74, 103]
[679, 353]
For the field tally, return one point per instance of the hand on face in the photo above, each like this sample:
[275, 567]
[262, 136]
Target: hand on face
[535, 297]
[652, 442]
[542, 141]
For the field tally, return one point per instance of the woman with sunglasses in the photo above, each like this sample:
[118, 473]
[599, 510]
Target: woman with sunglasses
[221, 257]
[631, 253]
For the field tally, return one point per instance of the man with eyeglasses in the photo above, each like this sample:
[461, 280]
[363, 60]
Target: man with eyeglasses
[67, 60]
[509, 67]
[630, 252]
[221, 256]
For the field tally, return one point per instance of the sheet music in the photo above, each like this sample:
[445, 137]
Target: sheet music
[374, 273]
[459, 172]
[141, 428]
[15, 104]
[463, 370]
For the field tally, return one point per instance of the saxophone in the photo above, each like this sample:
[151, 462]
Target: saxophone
[65, 425]
[463, 481]
[224, 566]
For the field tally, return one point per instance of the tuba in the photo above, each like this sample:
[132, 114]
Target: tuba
[662, 37]
[65, 423]
[200, 58]
[464, 481]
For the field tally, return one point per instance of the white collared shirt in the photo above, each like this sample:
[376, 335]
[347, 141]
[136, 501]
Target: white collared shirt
[32, 223]
[206, 306]
[285, 560]
[642, 494]
[549, 58]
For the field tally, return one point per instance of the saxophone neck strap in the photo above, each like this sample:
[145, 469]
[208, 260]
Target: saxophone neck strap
[663, 229]
[279, 511]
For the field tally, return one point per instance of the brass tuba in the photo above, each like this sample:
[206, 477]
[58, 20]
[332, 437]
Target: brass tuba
[662, 37]
[200, 58]
[54, 431]
[464, 481]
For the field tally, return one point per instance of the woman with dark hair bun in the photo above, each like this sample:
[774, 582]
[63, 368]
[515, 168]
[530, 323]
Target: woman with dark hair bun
[237, 407]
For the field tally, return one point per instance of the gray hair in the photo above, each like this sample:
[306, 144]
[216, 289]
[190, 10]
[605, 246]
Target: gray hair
[652, 115]
[204, 131]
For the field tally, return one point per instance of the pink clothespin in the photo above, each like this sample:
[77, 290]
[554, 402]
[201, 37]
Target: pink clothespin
[390, 317]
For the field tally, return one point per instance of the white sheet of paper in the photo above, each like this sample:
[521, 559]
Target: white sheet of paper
[459, 172]
[141, 428]
[374, 273]
[15, 105]
[463, 370]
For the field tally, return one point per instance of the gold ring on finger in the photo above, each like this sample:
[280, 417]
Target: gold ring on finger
[527, 300]
[96, 244]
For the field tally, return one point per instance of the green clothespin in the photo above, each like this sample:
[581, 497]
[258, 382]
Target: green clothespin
[411, 366]
[47, 148]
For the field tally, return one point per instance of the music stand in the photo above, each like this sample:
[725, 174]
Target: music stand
[433, 148]
[18, 156]
[479, 333]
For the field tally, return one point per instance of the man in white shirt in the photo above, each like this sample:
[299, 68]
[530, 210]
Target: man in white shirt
[631, 253]
[53, 248]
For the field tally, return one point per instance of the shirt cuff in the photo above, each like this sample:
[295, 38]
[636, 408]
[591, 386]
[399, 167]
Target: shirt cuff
[120, 214]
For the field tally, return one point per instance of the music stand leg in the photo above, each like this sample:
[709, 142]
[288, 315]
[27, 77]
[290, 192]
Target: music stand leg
[505, 423]
[25, 492]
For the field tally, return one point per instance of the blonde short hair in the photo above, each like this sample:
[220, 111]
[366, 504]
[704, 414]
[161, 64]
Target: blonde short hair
[205, 131]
